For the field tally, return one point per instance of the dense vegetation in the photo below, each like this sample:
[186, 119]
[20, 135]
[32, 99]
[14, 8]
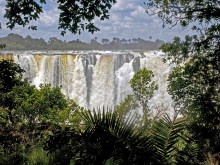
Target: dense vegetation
[17, 42]
[41, 126]
[195, 85]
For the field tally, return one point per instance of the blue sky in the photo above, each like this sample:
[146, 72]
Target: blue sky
[127, 20]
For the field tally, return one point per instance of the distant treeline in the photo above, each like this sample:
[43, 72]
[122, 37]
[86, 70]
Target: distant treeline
[17, 42]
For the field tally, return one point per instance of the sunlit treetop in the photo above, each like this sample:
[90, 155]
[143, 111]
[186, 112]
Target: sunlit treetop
[75, 15]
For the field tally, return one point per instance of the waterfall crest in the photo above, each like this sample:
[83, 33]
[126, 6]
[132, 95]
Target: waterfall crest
[94, 78]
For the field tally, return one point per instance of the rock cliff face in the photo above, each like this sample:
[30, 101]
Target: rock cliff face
[93, 78]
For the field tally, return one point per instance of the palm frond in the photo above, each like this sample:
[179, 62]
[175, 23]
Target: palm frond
[165, 135]
[108, 135]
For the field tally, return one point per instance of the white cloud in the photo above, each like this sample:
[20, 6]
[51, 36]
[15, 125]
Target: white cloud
[49, 18]
[123, 5]
[138, 11]
[127, 20]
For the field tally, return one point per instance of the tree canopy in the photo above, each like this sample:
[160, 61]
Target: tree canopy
[194, 83]
[75, 16]
[18, 42]
[202, 16]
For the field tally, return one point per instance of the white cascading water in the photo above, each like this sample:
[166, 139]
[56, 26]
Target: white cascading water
[95, 78]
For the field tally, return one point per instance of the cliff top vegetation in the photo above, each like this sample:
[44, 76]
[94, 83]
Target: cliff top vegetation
[18, 42]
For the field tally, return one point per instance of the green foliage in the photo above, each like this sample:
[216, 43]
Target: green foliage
[63, 144]
[74, 15]
[184, 12]
[143, 87]
[174, 143]
[82, 14]
[106, 138]
[166, 135]
[35, 105]
[126, 106]
[17, 42]
[195, 85]
[28, 115]
[178, 50]
[10, 75]
[38, 156]
[2, 46]
[43, 117]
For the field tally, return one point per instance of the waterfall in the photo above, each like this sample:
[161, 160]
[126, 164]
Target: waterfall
[94, 78]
